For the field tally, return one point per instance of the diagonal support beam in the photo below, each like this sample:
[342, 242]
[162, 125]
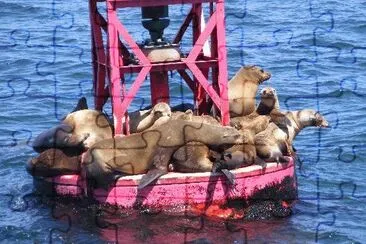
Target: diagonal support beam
[202, 38]
[184, 27]
[204, 82]
[134, 88]
[128, 38]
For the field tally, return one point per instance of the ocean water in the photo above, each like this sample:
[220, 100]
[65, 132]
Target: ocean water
[316, 52]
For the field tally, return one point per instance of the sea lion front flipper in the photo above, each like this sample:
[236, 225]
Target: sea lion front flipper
[150, 176]
[230, 176]
[159, 166]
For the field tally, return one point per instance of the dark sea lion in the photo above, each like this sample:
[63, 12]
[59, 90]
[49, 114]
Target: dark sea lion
[150, 151]
[269, 101]
[53, 162]
[242, 89]
[274, 142]
[144, 119]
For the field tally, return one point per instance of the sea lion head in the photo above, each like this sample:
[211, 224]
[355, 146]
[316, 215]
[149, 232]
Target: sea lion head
[53, 162]
[268, 96]
[256, 73]
[161, 110]
[230, 136]
[310, 117]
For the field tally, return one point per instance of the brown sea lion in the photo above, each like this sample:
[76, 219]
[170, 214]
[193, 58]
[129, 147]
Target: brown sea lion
[150, 151]
[53, 162]
[194, 156]
[257, 121]
[84, 127]
[77, 131]
[276, 141]
[144, 119]
[242, 89]
[255, 124]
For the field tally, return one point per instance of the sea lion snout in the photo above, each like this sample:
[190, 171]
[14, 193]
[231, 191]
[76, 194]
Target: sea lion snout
[321, 121]
[29, 166]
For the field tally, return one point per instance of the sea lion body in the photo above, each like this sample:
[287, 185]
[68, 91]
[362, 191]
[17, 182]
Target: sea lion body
[151, 150]
[193, 157]
[242, 89]
[243, 154]
[255, 124]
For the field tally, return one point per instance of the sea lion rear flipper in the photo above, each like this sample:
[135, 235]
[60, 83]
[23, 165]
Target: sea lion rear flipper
[150, 176]
[82, 104]
[230, 176]
[220, 166]
[160, 165]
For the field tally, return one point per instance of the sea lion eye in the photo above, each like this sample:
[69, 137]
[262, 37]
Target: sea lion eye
[264, 92]
[261, 70]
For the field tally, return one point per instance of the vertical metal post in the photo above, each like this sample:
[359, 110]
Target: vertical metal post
[159, 87]
[222, 59]
[98, 57]
[115, 77]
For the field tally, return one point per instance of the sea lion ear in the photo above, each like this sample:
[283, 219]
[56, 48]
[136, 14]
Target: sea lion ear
[82, 104]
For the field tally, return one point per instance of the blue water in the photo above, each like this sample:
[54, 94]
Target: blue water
[316, 52]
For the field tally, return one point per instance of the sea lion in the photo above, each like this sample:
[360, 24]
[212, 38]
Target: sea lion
[274, 142]
[77, 131]
[150, 151]
[53, 162]
[257, 121]
[242, 89]
[254, 124]
[194, 156]
[83, 127]
[144, 119]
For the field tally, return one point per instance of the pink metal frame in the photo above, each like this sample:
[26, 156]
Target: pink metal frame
[110, 62]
